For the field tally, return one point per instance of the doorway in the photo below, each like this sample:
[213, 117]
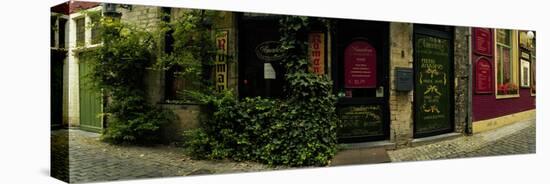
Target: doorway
[360, 74]
[433, 86]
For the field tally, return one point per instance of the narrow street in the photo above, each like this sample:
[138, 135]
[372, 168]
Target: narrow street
[518, 138]
[91, 160]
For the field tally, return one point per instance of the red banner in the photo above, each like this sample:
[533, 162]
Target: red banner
[360, 65]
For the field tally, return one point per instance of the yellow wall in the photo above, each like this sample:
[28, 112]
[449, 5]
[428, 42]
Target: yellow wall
[490, 124]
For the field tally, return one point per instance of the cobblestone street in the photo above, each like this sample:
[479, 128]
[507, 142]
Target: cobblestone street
[91, 160]
[518, 138]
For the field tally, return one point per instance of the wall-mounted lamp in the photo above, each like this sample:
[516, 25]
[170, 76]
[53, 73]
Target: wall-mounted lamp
[109, 10]
[530, 35]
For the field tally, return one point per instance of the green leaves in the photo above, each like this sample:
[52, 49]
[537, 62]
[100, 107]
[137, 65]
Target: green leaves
[299, 130]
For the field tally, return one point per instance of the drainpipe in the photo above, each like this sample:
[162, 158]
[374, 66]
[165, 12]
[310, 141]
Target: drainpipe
[470, 81]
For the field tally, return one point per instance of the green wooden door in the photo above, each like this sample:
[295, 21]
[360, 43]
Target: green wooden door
[90, 102]
[433, 83]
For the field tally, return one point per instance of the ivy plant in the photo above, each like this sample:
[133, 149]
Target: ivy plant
[118, 65]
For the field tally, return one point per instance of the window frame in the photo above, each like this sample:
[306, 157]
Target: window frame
[78, 43]
[514, 63]
[90, 27]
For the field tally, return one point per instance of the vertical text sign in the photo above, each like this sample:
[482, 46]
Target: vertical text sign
[317, 53]
[220, 60]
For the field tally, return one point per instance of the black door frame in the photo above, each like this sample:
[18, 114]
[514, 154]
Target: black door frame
[439, 32]
[383, 79]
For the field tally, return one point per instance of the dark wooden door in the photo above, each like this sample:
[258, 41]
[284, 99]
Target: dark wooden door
[433, 91]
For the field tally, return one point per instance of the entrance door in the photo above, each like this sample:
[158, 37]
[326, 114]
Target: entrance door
[433, 91]
[90, 101]
[260, 70]
[56, 88]
[360, 73]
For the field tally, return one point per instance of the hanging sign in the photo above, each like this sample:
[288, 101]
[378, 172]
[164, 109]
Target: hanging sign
[483, 41]
[484, 76]
[317, 53]
[269, 51]
[360, 65]
[220, 60]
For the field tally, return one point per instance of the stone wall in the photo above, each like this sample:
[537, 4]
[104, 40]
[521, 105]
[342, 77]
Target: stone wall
[401, 55]
[146, 17]
[461, 71]
[149, 17]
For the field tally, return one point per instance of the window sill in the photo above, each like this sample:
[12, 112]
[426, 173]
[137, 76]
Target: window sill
[507, 96]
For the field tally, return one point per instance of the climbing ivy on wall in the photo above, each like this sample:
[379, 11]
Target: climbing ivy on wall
[193, 48]
[298, 130]
[118, 68]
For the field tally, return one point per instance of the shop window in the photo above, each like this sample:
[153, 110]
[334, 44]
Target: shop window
[507, 64]
[80, 31]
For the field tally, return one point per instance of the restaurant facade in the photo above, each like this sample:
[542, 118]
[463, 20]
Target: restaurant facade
[398, 84]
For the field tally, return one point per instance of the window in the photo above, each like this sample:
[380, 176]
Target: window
[80, 31]
[61, 32]
[507, 64]
[533, 69]
[53, 26]
[94, 19]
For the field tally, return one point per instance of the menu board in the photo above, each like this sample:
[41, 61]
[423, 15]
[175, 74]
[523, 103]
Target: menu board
[484, 76]
[360, 65]
[360, 121]
[483, 41]
[433, 84]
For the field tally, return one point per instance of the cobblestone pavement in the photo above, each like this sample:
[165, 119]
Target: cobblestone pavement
[91, 160]
[518, 138]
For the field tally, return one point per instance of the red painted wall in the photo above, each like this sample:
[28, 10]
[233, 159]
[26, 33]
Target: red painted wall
[487, 106]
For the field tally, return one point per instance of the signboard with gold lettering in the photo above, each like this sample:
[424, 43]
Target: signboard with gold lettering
[433, 84]
[316, 52]
[220, 63]
[360, 121]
